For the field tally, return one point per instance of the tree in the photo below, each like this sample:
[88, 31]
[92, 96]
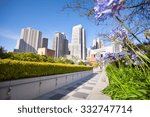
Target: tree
[2, 50]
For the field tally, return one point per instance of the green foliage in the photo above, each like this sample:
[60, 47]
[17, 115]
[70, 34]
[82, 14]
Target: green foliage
[97, 64]
[2, 52]
[28, 56]
[145, 47]
[81, 63]
[12, 69]
[128, 83]
[63, 60]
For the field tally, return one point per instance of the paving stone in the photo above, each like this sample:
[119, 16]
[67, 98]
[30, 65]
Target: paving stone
[56, 97]
[84, 91]
[74, 98]
[80, 95]
[91, 83]
[86, 87]
[71, 88]
[65, 98]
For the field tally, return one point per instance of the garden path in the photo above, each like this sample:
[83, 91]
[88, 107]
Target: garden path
[88, 88]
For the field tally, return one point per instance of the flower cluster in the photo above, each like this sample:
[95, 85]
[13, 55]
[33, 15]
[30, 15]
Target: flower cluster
[122, 56]
[106, 8]
[118, 34]
[110, 57]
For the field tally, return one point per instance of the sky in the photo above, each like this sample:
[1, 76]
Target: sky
[44, 15]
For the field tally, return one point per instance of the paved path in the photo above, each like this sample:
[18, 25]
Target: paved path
[88, 88]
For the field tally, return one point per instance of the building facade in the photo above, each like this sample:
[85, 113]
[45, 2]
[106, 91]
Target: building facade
[97, 44]
[98, 54]
[30, 40]
[45, 43]
[60, 44]
[45, 51]
[77, 47]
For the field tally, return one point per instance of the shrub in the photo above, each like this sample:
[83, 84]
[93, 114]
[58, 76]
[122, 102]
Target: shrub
[28, 56]
[12, 69]
[81, 63]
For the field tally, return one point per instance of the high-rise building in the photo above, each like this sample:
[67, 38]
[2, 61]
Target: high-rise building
[97, 44]
[78, 43]
[60, 44]
[45, 43]
[30, 40]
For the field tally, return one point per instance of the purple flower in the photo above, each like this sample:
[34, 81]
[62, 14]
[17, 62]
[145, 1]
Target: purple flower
[110, 57]
[136, 63]
[105, 8]
[134, 56]
[118, 34]
[121, 55]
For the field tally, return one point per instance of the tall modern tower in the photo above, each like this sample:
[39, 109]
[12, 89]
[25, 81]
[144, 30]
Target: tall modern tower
[97, 44]
[30, 40]
[60, 44]
[78, 43]
[45, 43]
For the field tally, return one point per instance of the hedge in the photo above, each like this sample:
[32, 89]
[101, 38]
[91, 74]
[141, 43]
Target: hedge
[12, 69]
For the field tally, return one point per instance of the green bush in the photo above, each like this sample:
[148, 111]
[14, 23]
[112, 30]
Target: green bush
[12, 69]
[128, 83]
[81, 63]
[28, 56]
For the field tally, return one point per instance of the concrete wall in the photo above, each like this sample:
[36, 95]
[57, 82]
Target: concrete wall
[33, 87]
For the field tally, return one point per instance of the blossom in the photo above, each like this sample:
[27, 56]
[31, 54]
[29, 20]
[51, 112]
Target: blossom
[136, 63]
[104, 8]
[118, 34]
[110, 57]
[134, 56]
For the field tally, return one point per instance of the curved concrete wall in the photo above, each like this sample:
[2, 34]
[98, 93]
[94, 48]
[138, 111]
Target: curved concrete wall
[31, 88]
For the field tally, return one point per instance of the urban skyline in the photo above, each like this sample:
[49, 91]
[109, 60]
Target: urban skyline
[49, 19]
[31, 40]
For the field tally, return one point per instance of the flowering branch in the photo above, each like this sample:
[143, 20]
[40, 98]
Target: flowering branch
[122, 24]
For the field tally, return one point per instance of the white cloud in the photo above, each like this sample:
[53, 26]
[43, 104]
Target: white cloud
[8, 34]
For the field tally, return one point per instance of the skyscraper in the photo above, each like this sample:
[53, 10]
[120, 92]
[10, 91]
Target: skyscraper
[97, 44]
[30, 40]
[78, 43]
[60, 44]
[45, 43]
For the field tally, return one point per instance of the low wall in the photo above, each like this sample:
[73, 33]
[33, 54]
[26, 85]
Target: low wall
[31, 88]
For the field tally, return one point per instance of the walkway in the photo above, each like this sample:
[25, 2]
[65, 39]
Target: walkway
[88, 88]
